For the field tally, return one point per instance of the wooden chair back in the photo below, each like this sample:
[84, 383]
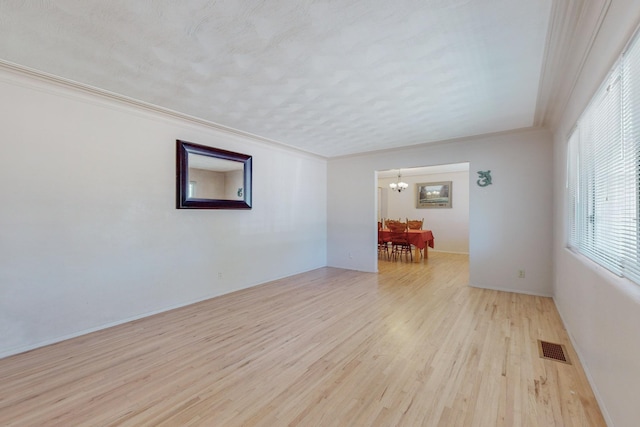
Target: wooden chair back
[396, 226]
[389, 222]
[415, 224]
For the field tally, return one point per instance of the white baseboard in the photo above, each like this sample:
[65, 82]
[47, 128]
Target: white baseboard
[515, 291]
[585, 368]
[449, 252]
[18, 350]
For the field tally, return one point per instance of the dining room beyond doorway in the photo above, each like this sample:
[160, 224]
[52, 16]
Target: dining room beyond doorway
[436, 198]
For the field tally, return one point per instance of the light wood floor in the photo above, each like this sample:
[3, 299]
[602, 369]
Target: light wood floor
[411, 346]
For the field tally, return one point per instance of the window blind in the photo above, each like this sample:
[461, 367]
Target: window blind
[603, 171]
[631, 134]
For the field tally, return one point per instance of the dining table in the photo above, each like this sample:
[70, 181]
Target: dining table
[419, 239]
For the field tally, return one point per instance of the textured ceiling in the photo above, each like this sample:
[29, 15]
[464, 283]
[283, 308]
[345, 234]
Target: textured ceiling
[328, 77]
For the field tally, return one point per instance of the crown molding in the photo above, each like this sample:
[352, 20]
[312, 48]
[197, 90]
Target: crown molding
[21, 70]
[573, 27]
[444, 142]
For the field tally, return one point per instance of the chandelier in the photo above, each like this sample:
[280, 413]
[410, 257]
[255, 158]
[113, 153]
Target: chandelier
[400, 185]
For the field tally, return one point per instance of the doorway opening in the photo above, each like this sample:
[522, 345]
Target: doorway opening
[437, 195]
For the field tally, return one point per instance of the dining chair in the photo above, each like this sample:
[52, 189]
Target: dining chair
[415, 224]
[399, 238]
[383, 245]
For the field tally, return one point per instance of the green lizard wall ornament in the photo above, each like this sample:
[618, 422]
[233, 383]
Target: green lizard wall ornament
[485, 178]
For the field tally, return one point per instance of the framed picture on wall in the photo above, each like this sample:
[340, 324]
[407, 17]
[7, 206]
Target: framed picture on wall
[433, 195]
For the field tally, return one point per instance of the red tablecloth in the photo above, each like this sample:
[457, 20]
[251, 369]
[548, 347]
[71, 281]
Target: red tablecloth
[418, 238]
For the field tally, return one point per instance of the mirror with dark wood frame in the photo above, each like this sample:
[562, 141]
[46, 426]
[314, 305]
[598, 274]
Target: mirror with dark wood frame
[211, 178]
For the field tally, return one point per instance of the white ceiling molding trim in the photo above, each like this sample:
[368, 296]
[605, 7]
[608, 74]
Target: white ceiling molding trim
[573, 27]
[465, 139]
[101, 93]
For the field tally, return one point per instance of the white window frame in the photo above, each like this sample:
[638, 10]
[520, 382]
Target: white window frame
[603, 171]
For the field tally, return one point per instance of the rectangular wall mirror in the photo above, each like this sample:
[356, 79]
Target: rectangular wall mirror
[211, 178]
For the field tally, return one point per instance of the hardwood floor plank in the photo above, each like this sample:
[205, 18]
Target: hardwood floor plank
[411, 346]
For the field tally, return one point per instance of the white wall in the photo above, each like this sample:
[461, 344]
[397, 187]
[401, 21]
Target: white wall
[89, 232]
[510, 222]
[601, 311]
[450, 226]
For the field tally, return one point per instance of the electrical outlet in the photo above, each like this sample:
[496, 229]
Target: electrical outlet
[219, 275]
[350, 256]
[521, 274]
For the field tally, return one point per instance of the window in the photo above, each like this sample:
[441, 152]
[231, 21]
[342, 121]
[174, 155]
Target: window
[603, 171]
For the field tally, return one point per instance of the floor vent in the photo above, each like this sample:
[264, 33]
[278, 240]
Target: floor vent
[549, 350]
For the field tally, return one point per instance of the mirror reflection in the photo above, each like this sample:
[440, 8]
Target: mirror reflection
[213, 178]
